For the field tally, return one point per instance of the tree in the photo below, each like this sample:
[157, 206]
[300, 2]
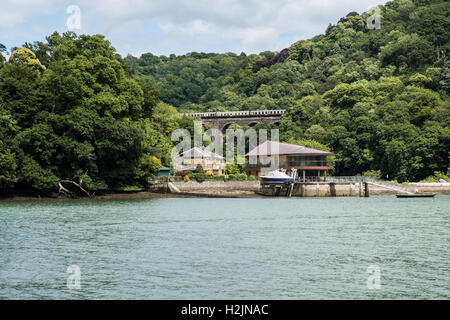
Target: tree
[27, 57]
[148, 168]
[407, 52]
[420, 80]
[3, 50]
[317, 133]
[346, 95]
[151, 97]
[19, 90]
[118, 151]
[422, 103]
[37, 177]
[8, 166]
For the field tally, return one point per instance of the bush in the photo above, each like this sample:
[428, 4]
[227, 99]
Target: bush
[220, 177]
[176, 179]
[199, 177]
[237, 177]
[180, 174]
[251, 178]
[372, 173]
[164, 179]
[234, 168]
[240, 177]
[130, 188]
[199, 169]
[436, 177]
[186, 178]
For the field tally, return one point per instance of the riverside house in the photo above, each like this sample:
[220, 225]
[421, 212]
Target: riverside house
[210, 161]
[311, 164]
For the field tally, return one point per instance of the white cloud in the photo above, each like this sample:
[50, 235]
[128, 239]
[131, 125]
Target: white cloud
[25, 20]
[258, 39]
[15, 12]
[180, 26]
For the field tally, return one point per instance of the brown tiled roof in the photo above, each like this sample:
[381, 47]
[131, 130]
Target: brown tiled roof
[273, 148]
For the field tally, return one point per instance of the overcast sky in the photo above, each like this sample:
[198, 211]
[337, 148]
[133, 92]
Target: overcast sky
[179, 26]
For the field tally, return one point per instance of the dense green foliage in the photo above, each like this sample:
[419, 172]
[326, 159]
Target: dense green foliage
[79, 116]
[378, 98]
[71, 108]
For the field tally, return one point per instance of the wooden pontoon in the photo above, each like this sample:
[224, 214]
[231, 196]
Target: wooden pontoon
[416, 195]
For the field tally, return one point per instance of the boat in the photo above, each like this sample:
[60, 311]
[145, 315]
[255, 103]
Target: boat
[277, 177]
[416, 195]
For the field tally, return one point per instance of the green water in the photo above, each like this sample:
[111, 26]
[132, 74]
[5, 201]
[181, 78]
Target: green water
[226, 248]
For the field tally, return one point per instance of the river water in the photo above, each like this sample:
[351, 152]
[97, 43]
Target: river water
[302, 248]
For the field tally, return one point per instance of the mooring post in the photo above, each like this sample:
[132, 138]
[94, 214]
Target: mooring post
[366, 189]
[333, 189]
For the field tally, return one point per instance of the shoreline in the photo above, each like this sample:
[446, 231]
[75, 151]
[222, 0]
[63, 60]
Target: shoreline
[241, 189]
[145, 195]
[142, 195]
[135, 195]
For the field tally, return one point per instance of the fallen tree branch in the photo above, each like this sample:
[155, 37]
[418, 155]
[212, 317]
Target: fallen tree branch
[75, 184]
[81, 178]
[62, 189]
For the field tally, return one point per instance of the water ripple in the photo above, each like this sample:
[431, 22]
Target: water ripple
[226, 248]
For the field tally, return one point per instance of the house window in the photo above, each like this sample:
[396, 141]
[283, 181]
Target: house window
[302, 161]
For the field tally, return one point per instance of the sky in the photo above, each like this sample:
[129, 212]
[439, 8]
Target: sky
[163, 27]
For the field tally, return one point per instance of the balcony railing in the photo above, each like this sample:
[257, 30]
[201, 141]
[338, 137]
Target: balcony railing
[311, 179]
[258, 165]
[286, 164]
[307, 163]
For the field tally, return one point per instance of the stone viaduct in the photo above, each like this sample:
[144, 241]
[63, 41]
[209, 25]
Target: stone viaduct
[222, 120]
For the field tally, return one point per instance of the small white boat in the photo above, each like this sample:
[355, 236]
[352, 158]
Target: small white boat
[277, 176]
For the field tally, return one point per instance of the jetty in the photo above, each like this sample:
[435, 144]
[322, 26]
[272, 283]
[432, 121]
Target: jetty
[333, 187]
[337, 186]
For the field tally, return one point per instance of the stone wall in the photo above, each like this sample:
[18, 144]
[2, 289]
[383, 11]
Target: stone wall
[300, 190]
[317, 190]
[248, 188]
[217, 185]
[327, 190]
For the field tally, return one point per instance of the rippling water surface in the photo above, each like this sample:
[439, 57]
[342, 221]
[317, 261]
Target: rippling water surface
[226, 248]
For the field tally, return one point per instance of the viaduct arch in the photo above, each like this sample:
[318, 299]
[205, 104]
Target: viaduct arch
[221, 120]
